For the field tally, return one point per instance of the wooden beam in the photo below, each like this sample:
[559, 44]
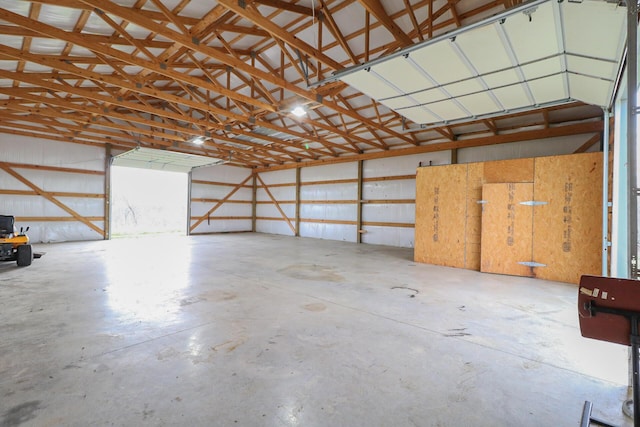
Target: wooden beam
[573, 129]
[375, 8]
[159, 68]
[275, 30]
[359, 211]
[187, 42]
[283, 5]
[298, 200]
[590, 142]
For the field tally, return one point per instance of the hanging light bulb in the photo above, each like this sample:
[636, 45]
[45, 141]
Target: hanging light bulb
[299, 111]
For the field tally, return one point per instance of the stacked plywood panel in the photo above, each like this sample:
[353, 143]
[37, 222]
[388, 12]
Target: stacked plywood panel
[528, 217]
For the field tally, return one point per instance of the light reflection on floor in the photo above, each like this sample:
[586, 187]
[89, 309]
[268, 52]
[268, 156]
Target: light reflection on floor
[147, 278]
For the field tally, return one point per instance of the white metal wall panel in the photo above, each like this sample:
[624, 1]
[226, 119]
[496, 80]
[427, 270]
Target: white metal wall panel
[287, 193]
[286, 176]
[271, 211]
[38, 151]
[346, 191]
[390, 236]
[391, 189]
[404, 165]
[517, 150]
[394, 212]
[241, 212]
[273, 227]
[60, 226]
[333, 212]
[226, 209]
[221, 173]
[342, 232]
[329, 172]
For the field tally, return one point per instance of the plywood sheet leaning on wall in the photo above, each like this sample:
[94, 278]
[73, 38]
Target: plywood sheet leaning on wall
[500, 171]
[440, 215]
[567, 230]
[507, 228]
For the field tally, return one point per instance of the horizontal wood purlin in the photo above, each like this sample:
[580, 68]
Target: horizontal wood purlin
[389, 201]
[388, 224]
[222, 184]
[271, 218]
[343, 202]
[389, 178]
[56, 218]
[205, 200]
[284, 184]
[343, 181]
[329, 221]
[282, 202]
[220, 218]
[551, 132]
[53, 193]
[52, 168]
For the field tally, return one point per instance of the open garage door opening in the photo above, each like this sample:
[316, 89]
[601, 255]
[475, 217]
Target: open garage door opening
[148, 202]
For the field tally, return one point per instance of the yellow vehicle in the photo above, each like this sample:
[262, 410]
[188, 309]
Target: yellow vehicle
[14, 245]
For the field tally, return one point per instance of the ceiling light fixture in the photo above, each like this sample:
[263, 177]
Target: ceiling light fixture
[298, 111]
[199, 140]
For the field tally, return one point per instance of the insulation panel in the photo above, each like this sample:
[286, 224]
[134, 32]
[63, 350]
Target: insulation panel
[518, 58]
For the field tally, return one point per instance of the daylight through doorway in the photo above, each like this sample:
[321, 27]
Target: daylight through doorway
[148, 202]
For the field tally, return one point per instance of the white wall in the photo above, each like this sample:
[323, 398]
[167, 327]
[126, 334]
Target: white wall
[282, 187]
[235, 214]
[52, 223]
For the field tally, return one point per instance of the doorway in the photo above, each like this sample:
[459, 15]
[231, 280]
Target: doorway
[148, 202]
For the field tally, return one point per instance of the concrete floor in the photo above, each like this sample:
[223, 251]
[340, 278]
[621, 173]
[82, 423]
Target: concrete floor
[262, 330]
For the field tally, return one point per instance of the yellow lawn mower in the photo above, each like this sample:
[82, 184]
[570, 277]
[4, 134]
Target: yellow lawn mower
[14, 245]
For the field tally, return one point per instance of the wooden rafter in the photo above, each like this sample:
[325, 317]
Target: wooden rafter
[375, 8]
[233, 72]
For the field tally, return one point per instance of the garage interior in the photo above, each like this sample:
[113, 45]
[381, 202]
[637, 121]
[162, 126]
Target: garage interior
[390, 206]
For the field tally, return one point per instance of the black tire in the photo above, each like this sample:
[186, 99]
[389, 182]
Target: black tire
[25, 255]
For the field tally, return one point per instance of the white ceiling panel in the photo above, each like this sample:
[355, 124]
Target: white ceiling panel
[448, 110]
[441, 62]
[549, 89]
[479, 47]
[479, 103]
[513, 97]
[400, 102]
[501, 78]
[588, 89]
[370, 85]
[429, 96]
[464, 88]
[600, 39]
[545, 67]
[603, 69]
[420, 115]
[535, 37]
[544, 52]
[403, 74]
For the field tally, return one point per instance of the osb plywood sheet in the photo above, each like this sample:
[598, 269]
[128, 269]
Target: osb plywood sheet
[506, 228]
[517, 170]
[440, 215]
[567, 231]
